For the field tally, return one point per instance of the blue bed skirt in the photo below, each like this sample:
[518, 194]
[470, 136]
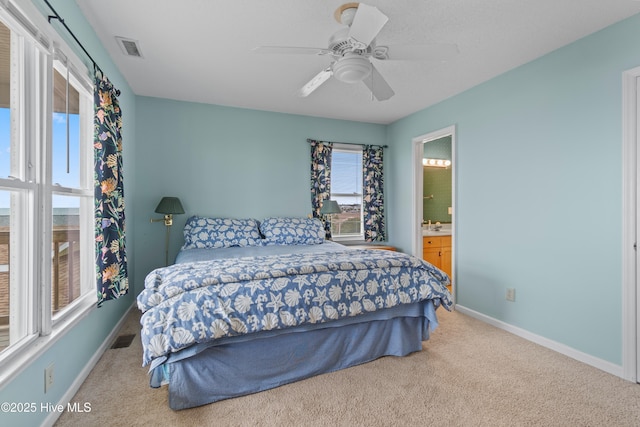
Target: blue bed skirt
[240, 368]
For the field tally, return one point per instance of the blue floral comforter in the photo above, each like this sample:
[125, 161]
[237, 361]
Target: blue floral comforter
[190, 303]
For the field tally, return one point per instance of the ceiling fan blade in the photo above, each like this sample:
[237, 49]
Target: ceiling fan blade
[378, 85]
[289, 50]
[417, 52]
[315, 82]
[366, 24]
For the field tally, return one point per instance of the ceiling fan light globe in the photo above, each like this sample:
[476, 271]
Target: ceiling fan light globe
[352, 69]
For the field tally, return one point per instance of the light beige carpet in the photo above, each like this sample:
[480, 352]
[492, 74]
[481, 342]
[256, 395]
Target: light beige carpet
[468, 374]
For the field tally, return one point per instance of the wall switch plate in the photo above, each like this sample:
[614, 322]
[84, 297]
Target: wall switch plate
[48, 377]
[511, 294]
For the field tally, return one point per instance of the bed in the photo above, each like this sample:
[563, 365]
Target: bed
[250, 306]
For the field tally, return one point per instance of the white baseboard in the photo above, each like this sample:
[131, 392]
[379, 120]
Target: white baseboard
[82, 376]
[603, 365]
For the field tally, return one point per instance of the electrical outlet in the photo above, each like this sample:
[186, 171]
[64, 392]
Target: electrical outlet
[48, 377]
[511, 294]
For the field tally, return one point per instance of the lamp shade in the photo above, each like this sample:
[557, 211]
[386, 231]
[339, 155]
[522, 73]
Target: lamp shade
[330, 207]
[170, 205]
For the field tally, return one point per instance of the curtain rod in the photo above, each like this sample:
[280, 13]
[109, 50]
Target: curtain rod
[350, 143]
[57, 16]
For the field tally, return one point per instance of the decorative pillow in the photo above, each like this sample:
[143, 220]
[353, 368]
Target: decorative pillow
[292, 231]
[200, 232]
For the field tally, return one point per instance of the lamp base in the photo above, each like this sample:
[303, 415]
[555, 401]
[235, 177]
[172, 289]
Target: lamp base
[166, 246]
[168, 222]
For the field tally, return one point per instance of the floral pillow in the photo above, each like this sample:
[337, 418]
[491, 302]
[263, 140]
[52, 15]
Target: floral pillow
[200, 232]
[292, 231]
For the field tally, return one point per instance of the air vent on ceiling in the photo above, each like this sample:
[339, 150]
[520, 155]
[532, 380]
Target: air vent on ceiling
[129, 47]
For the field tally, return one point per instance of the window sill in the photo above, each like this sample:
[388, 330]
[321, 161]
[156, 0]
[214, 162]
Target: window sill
[369, 245]
[348, 240]
[16, 360]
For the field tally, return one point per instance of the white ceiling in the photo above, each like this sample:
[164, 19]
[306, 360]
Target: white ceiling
[201, 50]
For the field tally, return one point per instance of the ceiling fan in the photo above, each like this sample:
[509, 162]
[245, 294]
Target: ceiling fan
[352, 48]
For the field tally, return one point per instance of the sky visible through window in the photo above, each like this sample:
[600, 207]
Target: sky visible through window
[59, 160]
[346, 175]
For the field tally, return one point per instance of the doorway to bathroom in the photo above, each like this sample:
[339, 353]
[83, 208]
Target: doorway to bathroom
[434, 210]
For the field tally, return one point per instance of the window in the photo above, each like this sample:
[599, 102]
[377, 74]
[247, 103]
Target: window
[71, 195]
[346, 189]
[46, 186]
[16, 195]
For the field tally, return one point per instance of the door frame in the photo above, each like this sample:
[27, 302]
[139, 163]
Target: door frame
[630, 209]
[416, 212]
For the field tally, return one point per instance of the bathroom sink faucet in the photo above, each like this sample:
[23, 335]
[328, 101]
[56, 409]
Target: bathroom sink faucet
[436, 227]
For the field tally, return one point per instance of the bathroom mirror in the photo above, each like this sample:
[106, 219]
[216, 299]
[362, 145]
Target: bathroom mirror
[437, 184]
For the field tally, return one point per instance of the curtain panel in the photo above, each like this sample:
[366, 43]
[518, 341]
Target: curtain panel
[111, 259]
[373, 194]
[320, 179]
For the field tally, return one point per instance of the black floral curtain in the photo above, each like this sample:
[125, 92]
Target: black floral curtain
[111, 259]
[373, 194]
[320, 178]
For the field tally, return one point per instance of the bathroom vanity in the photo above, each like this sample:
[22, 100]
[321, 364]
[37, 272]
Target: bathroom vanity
[436, 249]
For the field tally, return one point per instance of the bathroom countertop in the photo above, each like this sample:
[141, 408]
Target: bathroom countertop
[436, 233]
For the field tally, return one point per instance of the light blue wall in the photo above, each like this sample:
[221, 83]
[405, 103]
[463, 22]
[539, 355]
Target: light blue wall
[553, 229]
[75, 349]
[223, 161]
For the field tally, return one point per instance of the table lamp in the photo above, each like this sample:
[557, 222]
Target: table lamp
[168, 206]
